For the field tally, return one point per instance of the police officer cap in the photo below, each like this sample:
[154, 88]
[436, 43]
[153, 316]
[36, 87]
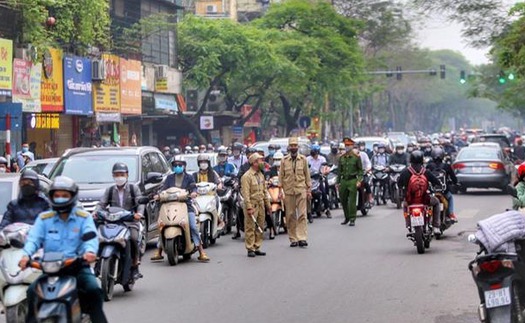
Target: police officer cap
[348, 140]
[254, 157]
[293, 141]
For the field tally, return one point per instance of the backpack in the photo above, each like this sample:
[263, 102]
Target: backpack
[417, 186]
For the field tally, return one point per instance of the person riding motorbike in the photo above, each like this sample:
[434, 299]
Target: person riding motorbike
[207, 174]
[399, 157]
[3, 165]
[238, 159]
[315, 161]
[381, 158]
[224, 168]
[61, 230]
[274, 170]
[167, 152]
[519, 200]
[333, 157]
[410, 148]
[362, 147]
[183, 180]
[272, 149]
[437, 163]
[426, 148]
[175, 151]
[209, 148]
[416, 167]
[367, 168]
[125, 195]
[195, 150]
[30, 201]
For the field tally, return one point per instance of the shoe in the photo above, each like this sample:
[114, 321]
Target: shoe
[260, 253]
[453, 217]
[352, 223]
[236, 236]
[157, 256]
[294, 244]
[345, 222]
[437, 231]
[136, 273]
[272, 236]
[251, 254]
[203, 257]
[303, 243]
[328, 214]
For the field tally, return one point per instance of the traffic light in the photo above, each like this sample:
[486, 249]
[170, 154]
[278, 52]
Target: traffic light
[442, 71]
[501, 78]
[511, 76]
[399, 75]
[462, 77]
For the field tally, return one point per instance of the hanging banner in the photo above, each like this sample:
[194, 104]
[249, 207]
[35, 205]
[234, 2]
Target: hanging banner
[52, 89]
[254, 120]
[78, 94]
[106, 93]
[26, 84]
[6, 66]
[130, 87]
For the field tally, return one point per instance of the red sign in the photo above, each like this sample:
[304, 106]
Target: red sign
[21, 79]
[254, 120]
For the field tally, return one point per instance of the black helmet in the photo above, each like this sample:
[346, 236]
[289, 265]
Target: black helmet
[31, 175]
[237, 146]
[416, 157]
[63, 183]
[3, 161]
[437, 153]
[120, 168]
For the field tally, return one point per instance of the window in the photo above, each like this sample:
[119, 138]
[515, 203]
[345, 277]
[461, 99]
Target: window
[157, 163]
[158, 48]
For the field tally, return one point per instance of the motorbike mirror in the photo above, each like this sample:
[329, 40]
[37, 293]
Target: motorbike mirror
[143, 200]
[153, 178]
[472, 238]
[89, 235]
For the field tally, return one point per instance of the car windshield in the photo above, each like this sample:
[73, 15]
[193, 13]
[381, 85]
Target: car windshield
[94, 169]
[478, 154]
[499, 140]
[6, 191]
[192, 165]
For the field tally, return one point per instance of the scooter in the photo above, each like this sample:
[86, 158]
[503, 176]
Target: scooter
[57, 293]
[315, 205]
[13, 281]
[208, 209]
[379, 178]
[227, 197]
[420, 226]
[439, 193]
[114, 256]
[331, 178]
[175, 235]
[395, 194]
[278, 214]
[363, 205]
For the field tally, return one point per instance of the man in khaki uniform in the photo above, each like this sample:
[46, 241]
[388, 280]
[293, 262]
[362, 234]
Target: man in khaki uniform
[253, 190]
[294, 177]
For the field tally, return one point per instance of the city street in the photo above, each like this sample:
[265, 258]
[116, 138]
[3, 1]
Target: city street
[368, 273]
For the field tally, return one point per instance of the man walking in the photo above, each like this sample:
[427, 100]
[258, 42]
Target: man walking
[349, 180]
[253, 190]
[294, 177]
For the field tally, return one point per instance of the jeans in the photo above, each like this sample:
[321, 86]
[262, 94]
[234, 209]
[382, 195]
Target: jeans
[195, 234]
[450, 199]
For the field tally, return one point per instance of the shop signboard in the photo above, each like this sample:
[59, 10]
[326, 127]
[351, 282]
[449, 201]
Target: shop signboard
[27, 79]
[6, 66]
[206, 122]
[52, 85]
[78, 88]
[165, 102]
[106, 93]
[254, 120]
[130, 87]
[43, 121]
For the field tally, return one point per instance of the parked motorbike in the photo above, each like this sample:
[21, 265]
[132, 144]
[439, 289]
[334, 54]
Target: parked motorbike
[114, 256]
[380, 180]
[228, 198]
[57, 294]
[439, 193]
[278, 215]
[209, 209]
[333, 194]
[420, 226]
[174, 223]
[13, 281]
[315, 205]
[363, 205]
[395, 193]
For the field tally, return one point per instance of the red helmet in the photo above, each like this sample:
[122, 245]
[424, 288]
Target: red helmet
[521, 170]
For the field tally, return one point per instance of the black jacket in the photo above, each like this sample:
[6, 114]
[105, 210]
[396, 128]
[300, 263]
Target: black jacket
[244, 168]
[451, 176]
[404, 177]
[25, 210]
[398, 159]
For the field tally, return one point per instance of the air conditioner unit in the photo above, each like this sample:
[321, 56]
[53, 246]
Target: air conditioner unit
[211, 9]
[98, 70]
[161, 72]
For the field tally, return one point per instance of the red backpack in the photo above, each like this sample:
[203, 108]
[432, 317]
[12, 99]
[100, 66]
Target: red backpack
[417, 186]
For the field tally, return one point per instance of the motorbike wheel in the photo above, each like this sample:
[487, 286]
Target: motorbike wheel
[418, 235]
[398, 199]
[205, 237]
[518, 308]
[376, 194]
[16, 313]
[276, 221]
[172, 251]
[143, 239]
[107, 267]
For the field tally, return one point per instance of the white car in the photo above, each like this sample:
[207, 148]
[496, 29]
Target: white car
[191, 161]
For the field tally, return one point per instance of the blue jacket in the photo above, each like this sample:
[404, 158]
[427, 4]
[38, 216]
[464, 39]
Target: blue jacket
[225, 169]
[188, 183]
[24, 210]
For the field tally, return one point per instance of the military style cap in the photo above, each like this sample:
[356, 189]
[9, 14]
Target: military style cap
[254, 157]
[293, 141]
[348, 141]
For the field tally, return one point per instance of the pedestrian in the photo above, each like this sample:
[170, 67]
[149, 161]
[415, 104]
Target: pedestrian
[294, 178]
[256, 203]
[20, 158]
[349, 180]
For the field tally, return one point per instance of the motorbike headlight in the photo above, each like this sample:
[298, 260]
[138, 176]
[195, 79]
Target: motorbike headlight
[51, 267]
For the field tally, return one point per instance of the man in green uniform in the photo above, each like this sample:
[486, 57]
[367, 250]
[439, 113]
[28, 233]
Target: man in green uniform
[349, 179]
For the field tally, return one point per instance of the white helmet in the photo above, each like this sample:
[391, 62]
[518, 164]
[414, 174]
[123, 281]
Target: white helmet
[278, 155]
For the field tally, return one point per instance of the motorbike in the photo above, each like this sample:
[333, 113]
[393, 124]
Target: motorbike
[395, 193]
[315, 205]
[239, 217]
[228, 198]
[13, 281]
[379, 179]
[331, 177]
[439, 193]
[363, 205]
[278, 215]
[56, 291]
[420, 226]
[114, 256]
[209, 209]
[175, 235]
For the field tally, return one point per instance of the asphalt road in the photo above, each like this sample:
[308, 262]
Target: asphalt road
[366, 273]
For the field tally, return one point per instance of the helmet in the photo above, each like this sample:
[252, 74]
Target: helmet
[3, 160]
[222, 151]
[341, 146]
[316, 148]
[250, 150]
[521, 170]
[437, 153]
[334, 145]
[187, 148]
[176, 151]
[361, 143]
[380, 145]
[31, 175]
[278, 156]
[195, 148]
[237, 146]
[210, 146]
[120, 168]
[179, 159]
[416, 157]
[260, 151]
[202, 157]
[410, 144]
[63, 183]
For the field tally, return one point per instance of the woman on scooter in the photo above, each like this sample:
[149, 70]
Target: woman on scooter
[181, 179]
[519, 201]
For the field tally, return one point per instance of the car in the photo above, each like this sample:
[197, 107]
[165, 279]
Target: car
[304, 144]
[91, 169]
[399, 137]
[262, 144]
[191, 161]
[370, 141]
[485, 144]
[483, 167]
[325, 150]
[500, 139]
[41, 166]
[9, 188]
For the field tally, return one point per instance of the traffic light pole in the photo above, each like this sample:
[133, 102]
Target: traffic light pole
[399, 72]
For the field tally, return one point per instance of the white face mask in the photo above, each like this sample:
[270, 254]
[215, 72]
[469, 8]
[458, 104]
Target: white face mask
[222, 159]
[3, 170]
[120, 180]
[203, 166]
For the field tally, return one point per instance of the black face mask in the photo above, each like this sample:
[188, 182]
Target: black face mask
[28, 190]
[334, 151]
[294, 151]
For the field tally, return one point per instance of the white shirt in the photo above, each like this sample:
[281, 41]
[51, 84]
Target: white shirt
[367, 165]
[315, 163]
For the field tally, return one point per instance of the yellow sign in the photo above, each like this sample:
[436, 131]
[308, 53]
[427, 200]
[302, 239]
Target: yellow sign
[161, 85]
[52, 89]
[44, 121]
[106, 94]
[6, 66]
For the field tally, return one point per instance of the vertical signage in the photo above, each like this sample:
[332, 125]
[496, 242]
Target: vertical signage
[130, 87]
[78, 94]
[106, 93]
[52, 90]
[6, 66]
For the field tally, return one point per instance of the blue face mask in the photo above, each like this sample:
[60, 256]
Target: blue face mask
[178, 169]
[25, 149]
[271, 151]
[60, 200]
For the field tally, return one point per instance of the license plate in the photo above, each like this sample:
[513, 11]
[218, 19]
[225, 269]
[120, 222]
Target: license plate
[497, 297]
[417, 221]
[476, 170]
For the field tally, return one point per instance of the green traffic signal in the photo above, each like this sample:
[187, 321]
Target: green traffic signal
[511, 77]
[502, 79]
[462, 77]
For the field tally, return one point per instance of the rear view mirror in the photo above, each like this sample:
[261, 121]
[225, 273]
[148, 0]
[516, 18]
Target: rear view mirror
[153, 178]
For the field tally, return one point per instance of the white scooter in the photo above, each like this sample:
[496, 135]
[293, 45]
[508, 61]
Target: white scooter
[208, 209]
[13, 281]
